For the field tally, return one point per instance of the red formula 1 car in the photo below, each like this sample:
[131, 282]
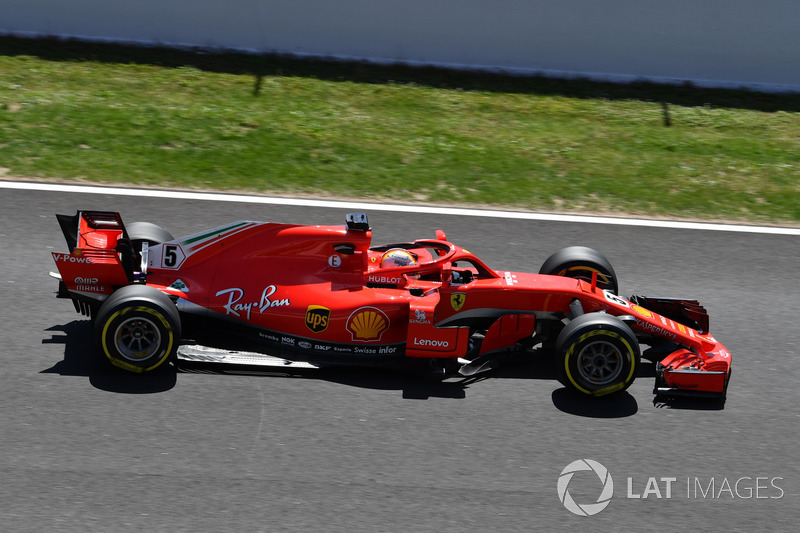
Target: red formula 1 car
[290, 295]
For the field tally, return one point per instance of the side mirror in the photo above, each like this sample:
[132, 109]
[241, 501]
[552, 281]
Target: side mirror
[357, 222]
[447, 276]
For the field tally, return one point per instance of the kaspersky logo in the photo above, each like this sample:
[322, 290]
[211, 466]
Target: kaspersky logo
[606, 492]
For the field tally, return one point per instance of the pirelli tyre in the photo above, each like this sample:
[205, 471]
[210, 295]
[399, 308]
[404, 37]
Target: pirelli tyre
[581, 262]
[599, 355]
[138, 328]
[145, 232]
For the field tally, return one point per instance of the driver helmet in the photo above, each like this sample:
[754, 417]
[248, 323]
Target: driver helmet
[397, 257]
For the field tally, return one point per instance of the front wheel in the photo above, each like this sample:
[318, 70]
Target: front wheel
[600, 355]
[138, 328]
[580, 262]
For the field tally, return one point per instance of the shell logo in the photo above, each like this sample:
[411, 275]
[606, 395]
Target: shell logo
[642, 311]
[367, 324]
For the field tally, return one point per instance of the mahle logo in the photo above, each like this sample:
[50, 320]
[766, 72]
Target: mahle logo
[585, 509]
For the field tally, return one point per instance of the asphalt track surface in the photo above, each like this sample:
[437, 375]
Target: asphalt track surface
[84, 447]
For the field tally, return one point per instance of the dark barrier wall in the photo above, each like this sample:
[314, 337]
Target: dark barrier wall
[728, 43]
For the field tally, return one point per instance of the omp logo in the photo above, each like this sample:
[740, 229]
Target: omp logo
[86, 281]
[317, 318]
[586, 509]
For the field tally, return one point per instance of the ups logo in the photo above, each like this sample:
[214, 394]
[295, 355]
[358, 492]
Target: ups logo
[317, 318]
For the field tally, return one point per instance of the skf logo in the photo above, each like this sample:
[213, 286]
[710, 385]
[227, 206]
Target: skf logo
[367, 324]
[317, 318]
[457, 300]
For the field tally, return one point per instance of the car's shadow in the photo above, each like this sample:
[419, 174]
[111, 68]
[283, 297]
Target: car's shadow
[417, 386]
[82, 358]
[695, 404]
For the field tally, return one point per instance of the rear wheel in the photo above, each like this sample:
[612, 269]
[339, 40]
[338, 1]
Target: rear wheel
[599, 355]
[580, 262]
[138, 328]
[140, 233]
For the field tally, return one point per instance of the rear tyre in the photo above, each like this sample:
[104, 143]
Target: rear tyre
[580, 262]
[138, 328]
[599, 355]
[145, 232]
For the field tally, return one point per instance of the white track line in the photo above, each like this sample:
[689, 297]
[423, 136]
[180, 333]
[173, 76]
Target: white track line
[367, 206]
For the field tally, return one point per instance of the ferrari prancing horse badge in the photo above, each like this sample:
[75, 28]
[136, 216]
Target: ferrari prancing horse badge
[457, 300]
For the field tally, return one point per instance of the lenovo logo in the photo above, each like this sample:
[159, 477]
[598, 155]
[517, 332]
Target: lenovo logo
[433, 343]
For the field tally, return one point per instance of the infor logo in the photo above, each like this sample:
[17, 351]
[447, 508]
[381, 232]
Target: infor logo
[585, 509]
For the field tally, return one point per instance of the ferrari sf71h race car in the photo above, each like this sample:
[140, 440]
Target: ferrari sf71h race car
[285, 295]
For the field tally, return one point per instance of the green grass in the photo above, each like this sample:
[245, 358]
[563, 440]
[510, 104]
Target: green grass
[167, 118]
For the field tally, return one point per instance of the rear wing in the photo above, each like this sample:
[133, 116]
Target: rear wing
[101, 256]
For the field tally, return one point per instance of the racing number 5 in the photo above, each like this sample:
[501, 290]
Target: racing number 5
[170, 255]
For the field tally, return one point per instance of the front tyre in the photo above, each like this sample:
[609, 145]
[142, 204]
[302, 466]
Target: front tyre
[138, 328]
[599, 355]
[580, 262]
